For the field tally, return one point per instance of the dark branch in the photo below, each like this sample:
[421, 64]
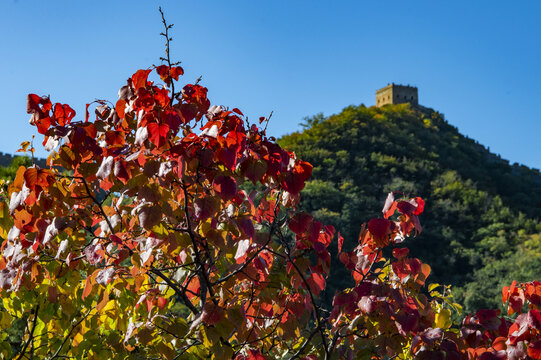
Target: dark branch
[31, 338]
[177, 290]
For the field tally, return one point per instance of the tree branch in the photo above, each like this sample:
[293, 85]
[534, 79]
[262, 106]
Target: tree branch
[204, 281]
[178, 291]
[254, 255]
[31, 338]
[304, 345]
[56, 354]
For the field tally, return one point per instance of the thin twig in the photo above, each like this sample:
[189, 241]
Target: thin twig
[31, 338]
[56, 354]
[304, 345]
[167, 52]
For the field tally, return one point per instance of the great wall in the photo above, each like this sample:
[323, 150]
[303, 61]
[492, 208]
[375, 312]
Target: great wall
[6, 159]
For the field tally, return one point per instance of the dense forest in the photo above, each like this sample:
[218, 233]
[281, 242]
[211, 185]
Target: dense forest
[481, 229]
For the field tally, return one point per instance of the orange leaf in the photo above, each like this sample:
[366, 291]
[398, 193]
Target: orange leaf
[340, 242]
[22, 218]
[534, 350]
[88, 288]
[120, 108]
[140, 78]
[19, 179]
[176, 71]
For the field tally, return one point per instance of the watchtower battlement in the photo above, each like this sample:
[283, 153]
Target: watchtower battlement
[397, 94]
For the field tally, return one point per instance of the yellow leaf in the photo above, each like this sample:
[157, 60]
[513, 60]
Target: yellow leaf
[458, 307]
[104, 300]
[443, 319]
[77, 339]
[166, 350]
[24, 146]
[5, 319]
[160, 229]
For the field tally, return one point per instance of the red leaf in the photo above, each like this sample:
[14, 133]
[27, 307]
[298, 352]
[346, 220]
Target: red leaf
[534, 350]
[235, 110]
[516, 301]
[420, 206]
[247, 226]
[162, 302]
[400, 253]
[212, 314]
[162, 97]
[405, 207]
[121, 171]
[158, 133]
[294, 180]
[316, 282]
[254, 169]
[176, 71]
[340, 242]
[206, 207]
[140, 78]
[163, 71]
[113, 137]
[300, 222]
[255, 355]
[32, 103]
[115, 239]
[144, 100]
[379, 229]
[171, 118]
[63, 114]
[228, 157]
[226, 186]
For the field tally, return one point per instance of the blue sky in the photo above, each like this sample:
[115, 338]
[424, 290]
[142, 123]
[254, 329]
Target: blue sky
[475, 61]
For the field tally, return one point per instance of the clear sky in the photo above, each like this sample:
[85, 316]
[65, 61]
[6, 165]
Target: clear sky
[478, 62]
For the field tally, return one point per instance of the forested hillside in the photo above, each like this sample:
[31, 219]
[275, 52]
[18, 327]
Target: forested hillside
[7, 173]
[482, 225]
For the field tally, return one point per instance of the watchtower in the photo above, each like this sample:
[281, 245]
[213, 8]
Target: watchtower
[397, 94]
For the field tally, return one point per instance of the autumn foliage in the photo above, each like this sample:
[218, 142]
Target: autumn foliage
[165, 227]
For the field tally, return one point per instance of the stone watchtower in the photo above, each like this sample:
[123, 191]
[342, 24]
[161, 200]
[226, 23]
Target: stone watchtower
[397, 94]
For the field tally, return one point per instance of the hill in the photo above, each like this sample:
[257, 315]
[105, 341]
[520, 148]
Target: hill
[481, 224]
